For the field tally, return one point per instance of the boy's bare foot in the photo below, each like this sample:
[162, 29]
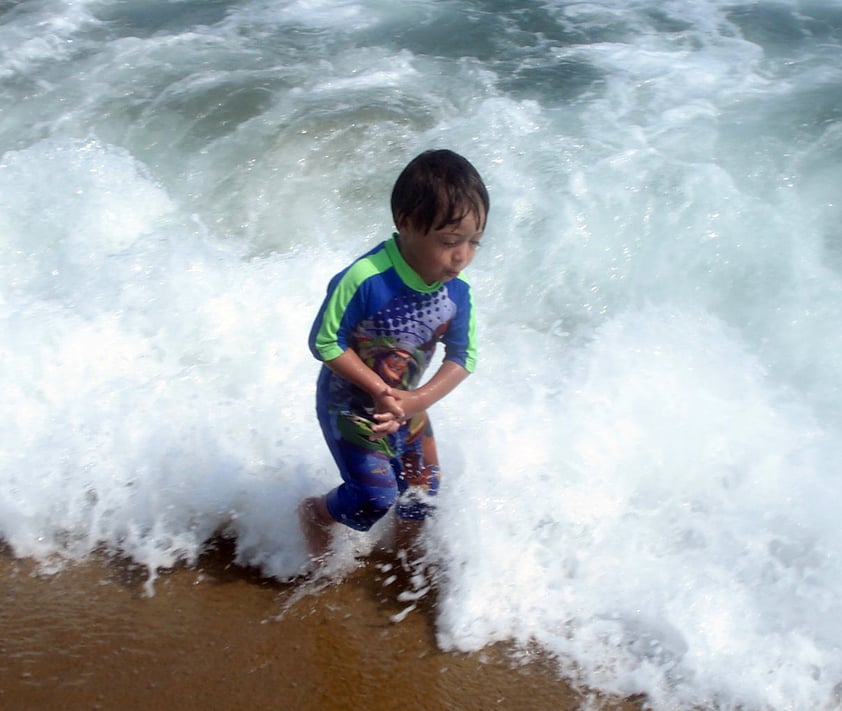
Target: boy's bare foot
[407, 533]
[400, 535]
[316, 523]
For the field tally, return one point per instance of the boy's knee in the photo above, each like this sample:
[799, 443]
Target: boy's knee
[360, 508]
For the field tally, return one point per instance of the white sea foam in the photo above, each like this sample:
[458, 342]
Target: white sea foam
[642, 476]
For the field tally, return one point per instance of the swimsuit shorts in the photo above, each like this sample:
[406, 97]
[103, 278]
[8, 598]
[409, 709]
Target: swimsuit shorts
[377, 474]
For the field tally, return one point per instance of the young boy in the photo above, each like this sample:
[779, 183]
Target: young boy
[376, 333]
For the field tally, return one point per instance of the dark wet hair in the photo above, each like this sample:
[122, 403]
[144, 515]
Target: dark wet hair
[436, 189]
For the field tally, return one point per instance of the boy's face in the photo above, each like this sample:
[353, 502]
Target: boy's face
[440, 255]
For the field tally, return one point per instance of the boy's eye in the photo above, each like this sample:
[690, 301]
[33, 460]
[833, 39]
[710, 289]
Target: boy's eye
[450, 243]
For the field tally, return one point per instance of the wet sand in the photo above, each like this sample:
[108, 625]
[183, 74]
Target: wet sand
[217, 636]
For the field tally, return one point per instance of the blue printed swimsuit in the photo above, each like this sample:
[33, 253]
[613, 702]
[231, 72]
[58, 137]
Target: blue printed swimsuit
[380, 308]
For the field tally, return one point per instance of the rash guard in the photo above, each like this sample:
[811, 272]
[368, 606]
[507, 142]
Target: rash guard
[379, 307]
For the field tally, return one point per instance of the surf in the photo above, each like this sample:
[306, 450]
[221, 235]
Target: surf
[640, 476]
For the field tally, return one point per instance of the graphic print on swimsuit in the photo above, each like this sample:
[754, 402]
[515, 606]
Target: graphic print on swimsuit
[398, 342]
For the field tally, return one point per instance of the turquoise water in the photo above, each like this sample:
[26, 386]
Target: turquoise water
[642, 477]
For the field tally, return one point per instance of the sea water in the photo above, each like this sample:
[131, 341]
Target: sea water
[643, 477]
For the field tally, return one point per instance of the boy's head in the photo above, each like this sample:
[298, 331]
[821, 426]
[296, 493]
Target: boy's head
[436, 189]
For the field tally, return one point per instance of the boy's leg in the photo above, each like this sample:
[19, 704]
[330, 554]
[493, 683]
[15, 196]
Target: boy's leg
[407, 531]
[420, 481]
[367, 492]
[368, 489]
[317, 524]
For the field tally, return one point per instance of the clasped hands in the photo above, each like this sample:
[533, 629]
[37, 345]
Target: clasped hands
[392, 408]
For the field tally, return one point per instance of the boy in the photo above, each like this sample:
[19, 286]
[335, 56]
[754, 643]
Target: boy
[376, 333]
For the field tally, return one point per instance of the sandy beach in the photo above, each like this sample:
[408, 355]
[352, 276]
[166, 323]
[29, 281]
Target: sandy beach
[217, 636]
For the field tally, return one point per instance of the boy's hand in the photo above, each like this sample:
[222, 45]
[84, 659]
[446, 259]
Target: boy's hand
[402, 406]
[407, 402]
[388, 414]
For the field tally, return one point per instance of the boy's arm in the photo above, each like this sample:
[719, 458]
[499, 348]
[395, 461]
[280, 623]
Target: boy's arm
[393, 405]
[352, 368]
[445, 381]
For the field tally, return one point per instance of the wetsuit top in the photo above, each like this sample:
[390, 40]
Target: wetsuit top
[379, 307]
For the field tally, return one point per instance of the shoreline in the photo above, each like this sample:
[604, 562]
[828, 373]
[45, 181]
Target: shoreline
[219, 636]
